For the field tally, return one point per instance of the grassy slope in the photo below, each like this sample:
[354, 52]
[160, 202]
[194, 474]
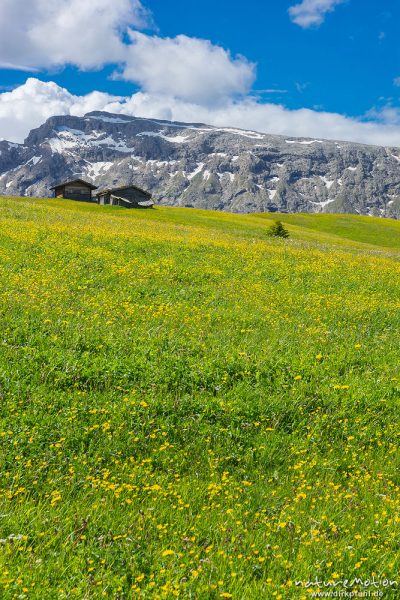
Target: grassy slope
[192, 410]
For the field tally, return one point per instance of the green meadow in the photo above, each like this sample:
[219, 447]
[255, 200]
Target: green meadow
[191, 409]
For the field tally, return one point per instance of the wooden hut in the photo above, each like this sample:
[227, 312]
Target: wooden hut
[129, 196]
[77, 189]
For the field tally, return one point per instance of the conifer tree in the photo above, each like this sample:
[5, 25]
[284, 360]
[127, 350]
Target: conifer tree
[278, 230]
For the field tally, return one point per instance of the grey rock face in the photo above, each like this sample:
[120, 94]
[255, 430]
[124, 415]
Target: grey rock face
[201, 166]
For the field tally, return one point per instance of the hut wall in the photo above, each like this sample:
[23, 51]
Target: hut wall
[77, 192]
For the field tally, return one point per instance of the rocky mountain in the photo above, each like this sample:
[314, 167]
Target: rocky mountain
[201, 166]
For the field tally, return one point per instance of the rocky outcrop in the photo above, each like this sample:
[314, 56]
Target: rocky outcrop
[201, 166]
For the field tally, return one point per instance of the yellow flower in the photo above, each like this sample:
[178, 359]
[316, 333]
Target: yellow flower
[225, 595]
[297, 378]
[168, 552]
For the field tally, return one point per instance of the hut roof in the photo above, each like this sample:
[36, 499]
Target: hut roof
[121, 189]
[86, 183]
[143, 203]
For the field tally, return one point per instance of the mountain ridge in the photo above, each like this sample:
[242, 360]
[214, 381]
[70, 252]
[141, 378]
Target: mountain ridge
[203, 166]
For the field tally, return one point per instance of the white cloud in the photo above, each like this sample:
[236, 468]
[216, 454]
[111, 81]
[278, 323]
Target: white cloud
[388, 114]
[39, 34]
[43, 34]
[29, 105]
[311, 13]
[32, 103]
[188, 68]
[249, 113]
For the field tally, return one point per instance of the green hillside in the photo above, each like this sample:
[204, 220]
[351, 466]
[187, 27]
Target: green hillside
[191, 409]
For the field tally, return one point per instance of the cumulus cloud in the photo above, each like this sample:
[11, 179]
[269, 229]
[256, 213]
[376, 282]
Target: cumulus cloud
[388, 114]
[250, 113]
[87, 33]
[30, 104]
[311, 13]
[188, 68]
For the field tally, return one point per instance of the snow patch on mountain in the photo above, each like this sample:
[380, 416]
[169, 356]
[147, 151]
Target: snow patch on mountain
[323, 204]
[304, 143]
[177, 139]
[328, 182]
[34, 160]
[197, 170]
[93, 170]
[110, 119]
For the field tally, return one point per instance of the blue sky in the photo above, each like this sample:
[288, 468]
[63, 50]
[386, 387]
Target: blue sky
[345, 65]
[333, 57]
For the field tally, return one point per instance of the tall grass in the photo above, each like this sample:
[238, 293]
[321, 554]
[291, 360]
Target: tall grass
[191, 409]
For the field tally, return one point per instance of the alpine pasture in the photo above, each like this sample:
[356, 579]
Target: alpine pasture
[193, 409]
